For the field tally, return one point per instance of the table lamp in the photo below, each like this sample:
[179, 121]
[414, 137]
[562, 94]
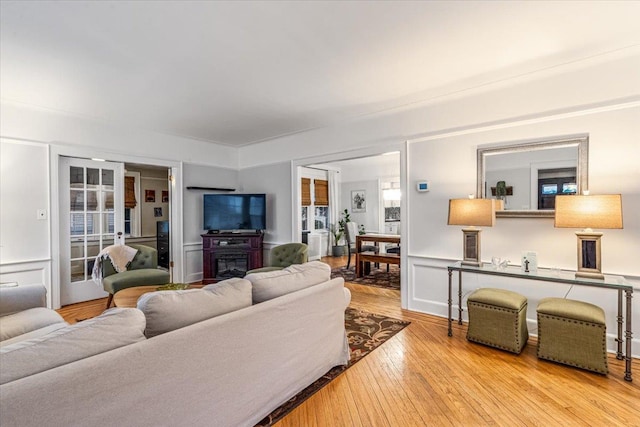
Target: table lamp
[588, 212]
[472, 212]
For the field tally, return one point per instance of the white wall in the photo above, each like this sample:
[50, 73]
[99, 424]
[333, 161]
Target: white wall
[275, 181]
[24, 171]
[599, 96]
[369, 168]
[37, 137]
[366, 174]
[53, 127]
[25, 245]
[371, 218]
[613, 169]
[562, 89]
[199, 176]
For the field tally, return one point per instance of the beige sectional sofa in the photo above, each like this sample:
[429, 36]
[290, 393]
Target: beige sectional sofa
[224, 355]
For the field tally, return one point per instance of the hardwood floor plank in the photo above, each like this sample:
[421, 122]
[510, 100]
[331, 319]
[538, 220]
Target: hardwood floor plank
[422, 377]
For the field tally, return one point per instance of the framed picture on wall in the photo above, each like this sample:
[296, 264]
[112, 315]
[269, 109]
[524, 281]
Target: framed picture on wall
[358, 201]
[157, 212]
[165, 196]
[150, 196]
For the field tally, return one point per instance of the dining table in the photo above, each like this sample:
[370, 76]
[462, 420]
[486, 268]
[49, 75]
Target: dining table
[365, 258]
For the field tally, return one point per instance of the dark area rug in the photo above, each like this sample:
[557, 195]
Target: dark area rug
[378, 276]
[366, 332]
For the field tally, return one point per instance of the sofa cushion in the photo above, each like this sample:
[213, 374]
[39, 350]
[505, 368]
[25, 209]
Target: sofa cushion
[34, 334]
[127, 279]
[27, 321]
[114, 328]
[169, 310]
[274, 284]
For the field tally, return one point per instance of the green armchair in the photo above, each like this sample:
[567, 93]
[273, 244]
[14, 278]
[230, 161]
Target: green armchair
[283, 256]
[142, 270]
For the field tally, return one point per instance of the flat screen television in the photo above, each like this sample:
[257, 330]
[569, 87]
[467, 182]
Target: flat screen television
[234, 212]
[549, 189]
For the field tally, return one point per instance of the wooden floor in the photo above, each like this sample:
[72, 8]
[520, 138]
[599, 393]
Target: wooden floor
[422, 377]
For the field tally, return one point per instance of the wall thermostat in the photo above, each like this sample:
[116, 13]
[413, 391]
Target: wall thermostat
[423, 186]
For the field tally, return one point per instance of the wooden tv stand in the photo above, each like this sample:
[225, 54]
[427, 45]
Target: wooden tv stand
[226, 255]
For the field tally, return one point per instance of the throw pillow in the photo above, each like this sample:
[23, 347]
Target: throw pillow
[169, 310]
[114, 328]
[274, 284]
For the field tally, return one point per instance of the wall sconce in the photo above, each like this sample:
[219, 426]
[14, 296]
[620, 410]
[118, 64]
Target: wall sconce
[472, 212]
[588, 212]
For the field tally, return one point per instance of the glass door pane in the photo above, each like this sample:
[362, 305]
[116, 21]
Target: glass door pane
[94, 209]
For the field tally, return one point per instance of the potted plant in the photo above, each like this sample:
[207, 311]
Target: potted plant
[337, 231]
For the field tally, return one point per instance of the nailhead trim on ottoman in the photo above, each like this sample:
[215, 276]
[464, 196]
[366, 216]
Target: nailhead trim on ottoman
[498, 318]
[573, 333]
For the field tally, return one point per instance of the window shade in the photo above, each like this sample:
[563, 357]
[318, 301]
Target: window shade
[306, 191]
[129, 192]
[321, 188]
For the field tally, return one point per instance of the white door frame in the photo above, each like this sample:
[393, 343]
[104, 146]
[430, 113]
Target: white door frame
[296, 202]
[176, 195]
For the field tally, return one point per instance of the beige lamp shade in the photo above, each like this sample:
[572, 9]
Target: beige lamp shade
[597, 211]
[473, 212]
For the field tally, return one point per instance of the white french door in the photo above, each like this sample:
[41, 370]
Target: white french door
[91, 216]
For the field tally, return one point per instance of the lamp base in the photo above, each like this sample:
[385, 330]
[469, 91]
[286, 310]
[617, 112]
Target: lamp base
[471, 247]
[589, 255]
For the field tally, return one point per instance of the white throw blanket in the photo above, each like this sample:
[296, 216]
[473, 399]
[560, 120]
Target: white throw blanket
[119, 255]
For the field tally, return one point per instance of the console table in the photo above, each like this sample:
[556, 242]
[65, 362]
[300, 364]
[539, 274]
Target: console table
[617, 283]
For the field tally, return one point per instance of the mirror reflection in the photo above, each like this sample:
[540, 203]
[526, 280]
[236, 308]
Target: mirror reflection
[526, 177]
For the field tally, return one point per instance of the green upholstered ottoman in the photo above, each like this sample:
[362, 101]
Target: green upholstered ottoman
[573, 333]
[498, 318]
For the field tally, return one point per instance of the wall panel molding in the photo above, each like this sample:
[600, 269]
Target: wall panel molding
[29, 272]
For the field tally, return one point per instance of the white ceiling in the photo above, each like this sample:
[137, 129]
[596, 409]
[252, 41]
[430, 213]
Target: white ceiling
[243, 72]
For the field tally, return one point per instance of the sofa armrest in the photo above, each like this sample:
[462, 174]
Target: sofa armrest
[347, 297]
[18, 298]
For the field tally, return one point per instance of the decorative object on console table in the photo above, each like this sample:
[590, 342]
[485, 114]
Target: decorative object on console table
[227, 255]
[529, 262]
[588, 212]
[472, 212]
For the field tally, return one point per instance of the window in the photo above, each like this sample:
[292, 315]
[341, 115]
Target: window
[127, 221]
[321, 190]
[321, 218]
[132, 209]
[130, 192]
[306, 191]
[305, 218]
[314, 212]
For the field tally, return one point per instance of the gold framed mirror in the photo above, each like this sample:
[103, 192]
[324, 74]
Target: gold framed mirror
[526, 176]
